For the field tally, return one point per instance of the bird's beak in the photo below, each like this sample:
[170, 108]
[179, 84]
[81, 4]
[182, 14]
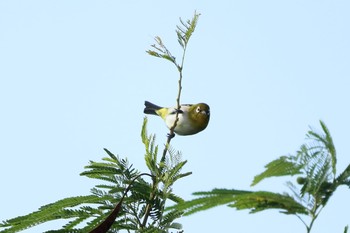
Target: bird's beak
[205, 112]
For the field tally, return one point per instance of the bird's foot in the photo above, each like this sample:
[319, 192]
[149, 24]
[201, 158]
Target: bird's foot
[171, 136]
[178, 111]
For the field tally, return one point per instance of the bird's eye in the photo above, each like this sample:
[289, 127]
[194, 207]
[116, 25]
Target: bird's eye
[198, 109]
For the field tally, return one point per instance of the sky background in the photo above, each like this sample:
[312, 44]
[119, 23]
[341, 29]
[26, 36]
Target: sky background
[74, 76]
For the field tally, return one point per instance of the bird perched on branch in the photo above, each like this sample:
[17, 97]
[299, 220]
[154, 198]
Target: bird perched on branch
[193, 118]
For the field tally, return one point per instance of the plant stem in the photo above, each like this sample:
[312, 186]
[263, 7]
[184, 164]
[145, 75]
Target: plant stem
[314, 214]
[149, 204]
[178, 105]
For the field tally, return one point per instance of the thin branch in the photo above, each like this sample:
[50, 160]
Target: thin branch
[307, 227]
[149, 204]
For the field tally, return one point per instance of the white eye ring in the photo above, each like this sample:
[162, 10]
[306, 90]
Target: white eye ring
[198, 109]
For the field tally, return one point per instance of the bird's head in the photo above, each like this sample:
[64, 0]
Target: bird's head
[201, 114]
[202, 109]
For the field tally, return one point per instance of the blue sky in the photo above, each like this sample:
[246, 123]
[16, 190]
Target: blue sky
[74, 76]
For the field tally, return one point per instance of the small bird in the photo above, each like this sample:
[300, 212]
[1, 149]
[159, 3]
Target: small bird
[193, 118]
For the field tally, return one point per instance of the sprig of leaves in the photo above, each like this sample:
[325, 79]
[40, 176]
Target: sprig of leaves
[122, 184]
[315, 163]
[184, 32]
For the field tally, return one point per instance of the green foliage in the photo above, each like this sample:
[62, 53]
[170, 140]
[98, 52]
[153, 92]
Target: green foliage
[184, 33]
[143, 209]
[240, 199]
[262, 200]
[283, 166]
[315, 163]
[344, 177]
[207, 200]
[63, 209]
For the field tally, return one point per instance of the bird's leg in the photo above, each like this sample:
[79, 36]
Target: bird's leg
[176, 111]
[171, 136]
[179, 111]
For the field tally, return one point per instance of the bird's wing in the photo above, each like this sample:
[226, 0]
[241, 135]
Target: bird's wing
[183, 108]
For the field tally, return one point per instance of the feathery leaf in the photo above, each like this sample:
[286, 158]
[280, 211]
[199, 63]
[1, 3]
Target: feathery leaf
[283, 166]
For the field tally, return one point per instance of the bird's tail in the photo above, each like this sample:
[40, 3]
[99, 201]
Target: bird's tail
[151, 108]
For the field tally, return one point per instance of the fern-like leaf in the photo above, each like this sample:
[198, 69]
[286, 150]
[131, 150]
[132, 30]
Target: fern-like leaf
[344, 177]
[206, 200]
[259, 201]
[186, 29]
[48, 213]
[283, 166]
[326, 142]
